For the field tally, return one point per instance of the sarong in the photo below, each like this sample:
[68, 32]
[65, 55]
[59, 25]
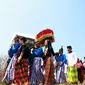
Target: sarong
[21, 71]
[60, 74]
[49, 72]
[72, 74]
[83, 74]
[36, 76]
[9, 74]
[80, 75]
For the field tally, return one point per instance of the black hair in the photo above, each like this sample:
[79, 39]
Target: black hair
[16, 38]
[50, 48]
[57, 53]
[49, 44]
[70, 47]
[23, 39]
[61, 49]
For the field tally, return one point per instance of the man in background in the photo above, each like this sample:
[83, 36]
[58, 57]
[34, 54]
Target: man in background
[72, 75]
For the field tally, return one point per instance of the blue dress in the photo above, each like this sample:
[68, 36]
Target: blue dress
[37, 76]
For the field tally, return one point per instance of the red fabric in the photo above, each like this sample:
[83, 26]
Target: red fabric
[45, 34]
[46, 31]
[49, 72]
[21, 71]
[79, 64]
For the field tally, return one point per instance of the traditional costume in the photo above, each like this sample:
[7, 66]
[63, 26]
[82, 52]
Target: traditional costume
[72, 74]
[13, 49]
[9, 74]
[60, 74]
[43, 35]
[21, 74]
[49, 66]
[37, 76]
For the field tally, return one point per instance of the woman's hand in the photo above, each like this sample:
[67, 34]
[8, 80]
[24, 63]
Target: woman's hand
[60, 63]
[19, 58]
[56, 64]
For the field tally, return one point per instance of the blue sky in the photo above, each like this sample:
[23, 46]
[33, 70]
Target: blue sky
[65, 17]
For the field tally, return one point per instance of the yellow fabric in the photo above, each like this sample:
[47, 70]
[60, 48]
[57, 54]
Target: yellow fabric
[44, 36]
[72, 74]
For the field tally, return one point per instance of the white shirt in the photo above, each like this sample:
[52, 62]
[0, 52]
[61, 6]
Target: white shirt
[65, 71]
[71, 59]
[84, 65]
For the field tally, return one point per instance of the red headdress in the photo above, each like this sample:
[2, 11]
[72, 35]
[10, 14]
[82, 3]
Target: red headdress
[43, 35]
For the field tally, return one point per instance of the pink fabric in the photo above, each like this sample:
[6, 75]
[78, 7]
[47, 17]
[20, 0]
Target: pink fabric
[79, 64]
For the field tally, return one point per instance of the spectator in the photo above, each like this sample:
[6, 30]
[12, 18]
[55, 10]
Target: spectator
[79, 69]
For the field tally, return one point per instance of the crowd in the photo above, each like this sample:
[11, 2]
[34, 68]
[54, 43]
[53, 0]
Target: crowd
[36, 67]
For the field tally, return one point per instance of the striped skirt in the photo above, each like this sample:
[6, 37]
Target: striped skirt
[72, 75]
[36, 76]
[21, 74]
[60, 75]
[49, 72]
[9, 74]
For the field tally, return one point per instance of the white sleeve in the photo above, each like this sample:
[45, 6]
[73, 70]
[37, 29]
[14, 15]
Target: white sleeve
[75, 58]
[67, 59]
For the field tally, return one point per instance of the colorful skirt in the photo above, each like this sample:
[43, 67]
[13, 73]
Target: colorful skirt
[72, 74]
[60, 74]
[49, 72]
[36, 76]
[21, 74]
[9, 74]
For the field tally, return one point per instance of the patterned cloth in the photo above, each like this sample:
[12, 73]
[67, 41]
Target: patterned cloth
[21, 71]
[9, 74]
[60, 75]
[36, 76]
[72, 74]
[49, 72]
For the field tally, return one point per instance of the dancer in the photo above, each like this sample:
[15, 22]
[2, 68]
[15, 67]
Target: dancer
[60, 67]
[37, 76]
[49, 67]
[13, 49]
[9, 73]
[21, 76]
[72, 75]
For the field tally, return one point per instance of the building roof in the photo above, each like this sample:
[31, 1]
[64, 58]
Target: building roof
[28, 36]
